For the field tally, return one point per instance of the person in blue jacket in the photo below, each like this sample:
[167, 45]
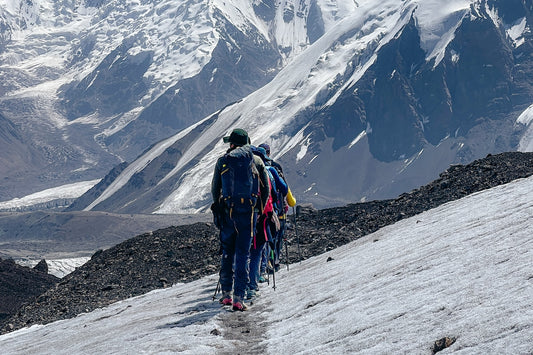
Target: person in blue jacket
[280, 208]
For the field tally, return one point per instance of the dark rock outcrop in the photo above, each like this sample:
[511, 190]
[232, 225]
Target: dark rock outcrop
[42, 266]
[19, 285]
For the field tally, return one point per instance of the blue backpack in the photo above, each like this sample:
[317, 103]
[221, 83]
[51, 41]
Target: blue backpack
[240, 180]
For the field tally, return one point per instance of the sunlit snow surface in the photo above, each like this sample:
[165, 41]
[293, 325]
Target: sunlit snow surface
[526, 119]
[462, 270]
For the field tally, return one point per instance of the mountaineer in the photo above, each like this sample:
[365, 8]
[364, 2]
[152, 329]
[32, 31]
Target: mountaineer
[282, 198]
[266, 228]
[240, 189]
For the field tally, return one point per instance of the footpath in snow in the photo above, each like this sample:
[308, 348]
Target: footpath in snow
[463, 270]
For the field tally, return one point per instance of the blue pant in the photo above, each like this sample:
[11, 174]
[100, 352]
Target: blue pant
[278, 242]
[236, 238]
[264, 259]
[273, 250]
[256, 255]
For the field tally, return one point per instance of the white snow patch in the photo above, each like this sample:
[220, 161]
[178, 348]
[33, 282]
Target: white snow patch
[526, 119]
[438, 22]
[516, 32]
[57, 267]
[408, 162]
[455, 56]
[303, 150]
[357, 139]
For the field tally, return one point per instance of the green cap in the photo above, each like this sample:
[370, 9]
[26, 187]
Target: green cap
[238, 137]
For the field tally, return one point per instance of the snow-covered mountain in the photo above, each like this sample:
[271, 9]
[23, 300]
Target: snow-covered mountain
[383, 101]
[461, 271]
[358, 99]
[91, 83]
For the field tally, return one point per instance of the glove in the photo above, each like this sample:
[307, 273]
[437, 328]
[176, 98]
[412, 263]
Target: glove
[217, 211]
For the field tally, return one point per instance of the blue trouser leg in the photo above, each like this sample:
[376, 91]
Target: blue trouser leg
[228, 236]
[264, 258]
[236, 238]
[256, 254]
[279, 240]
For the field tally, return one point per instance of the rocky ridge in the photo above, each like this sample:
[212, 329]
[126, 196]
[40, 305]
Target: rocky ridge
[185, 253]
[20, 284]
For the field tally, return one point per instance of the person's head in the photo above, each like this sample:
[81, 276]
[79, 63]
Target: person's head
[263, 154]
[238, 137]
[266, 147]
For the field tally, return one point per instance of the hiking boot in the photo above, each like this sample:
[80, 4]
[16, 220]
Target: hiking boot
[262, 279]
[251, 294]
[226, 298]
[239, 306]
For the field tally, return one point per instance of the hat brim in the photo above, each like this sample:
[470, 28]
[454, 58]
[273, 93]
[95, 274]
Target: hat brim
[226, 139]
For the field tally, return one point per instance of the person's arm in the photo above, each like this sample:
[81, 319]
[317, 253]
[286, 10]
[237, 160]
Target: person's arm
[281, 185]
[216, 183]
[290, 198]
[263, 179]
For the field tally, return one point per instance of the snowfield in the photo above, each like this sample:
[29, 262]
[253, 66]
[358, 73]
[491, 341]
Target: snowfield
[69, 191]
[463, 270]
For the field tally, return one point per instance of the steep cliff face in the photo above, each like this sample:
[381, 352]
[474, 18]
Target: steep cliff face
[233, 72]
[405, 102]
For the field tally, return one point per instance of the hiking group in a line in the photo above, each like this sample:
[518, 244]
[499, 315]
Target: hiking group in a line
[250, 202]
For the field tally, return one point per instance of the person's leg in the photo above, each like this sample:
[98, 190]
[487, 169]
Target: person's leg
[245, 224]
[279, 241]
[228, 236]
[256, 255]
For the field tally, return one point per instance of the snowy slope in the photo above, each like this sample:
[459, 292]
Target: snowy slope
[462, 270]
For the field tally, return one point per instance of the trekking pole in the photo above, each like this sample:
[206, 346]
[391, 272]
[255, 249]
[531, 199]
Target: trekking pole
[284, 240]
[273, 270]
[297, 236]
[216, 289]
[286, 253]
